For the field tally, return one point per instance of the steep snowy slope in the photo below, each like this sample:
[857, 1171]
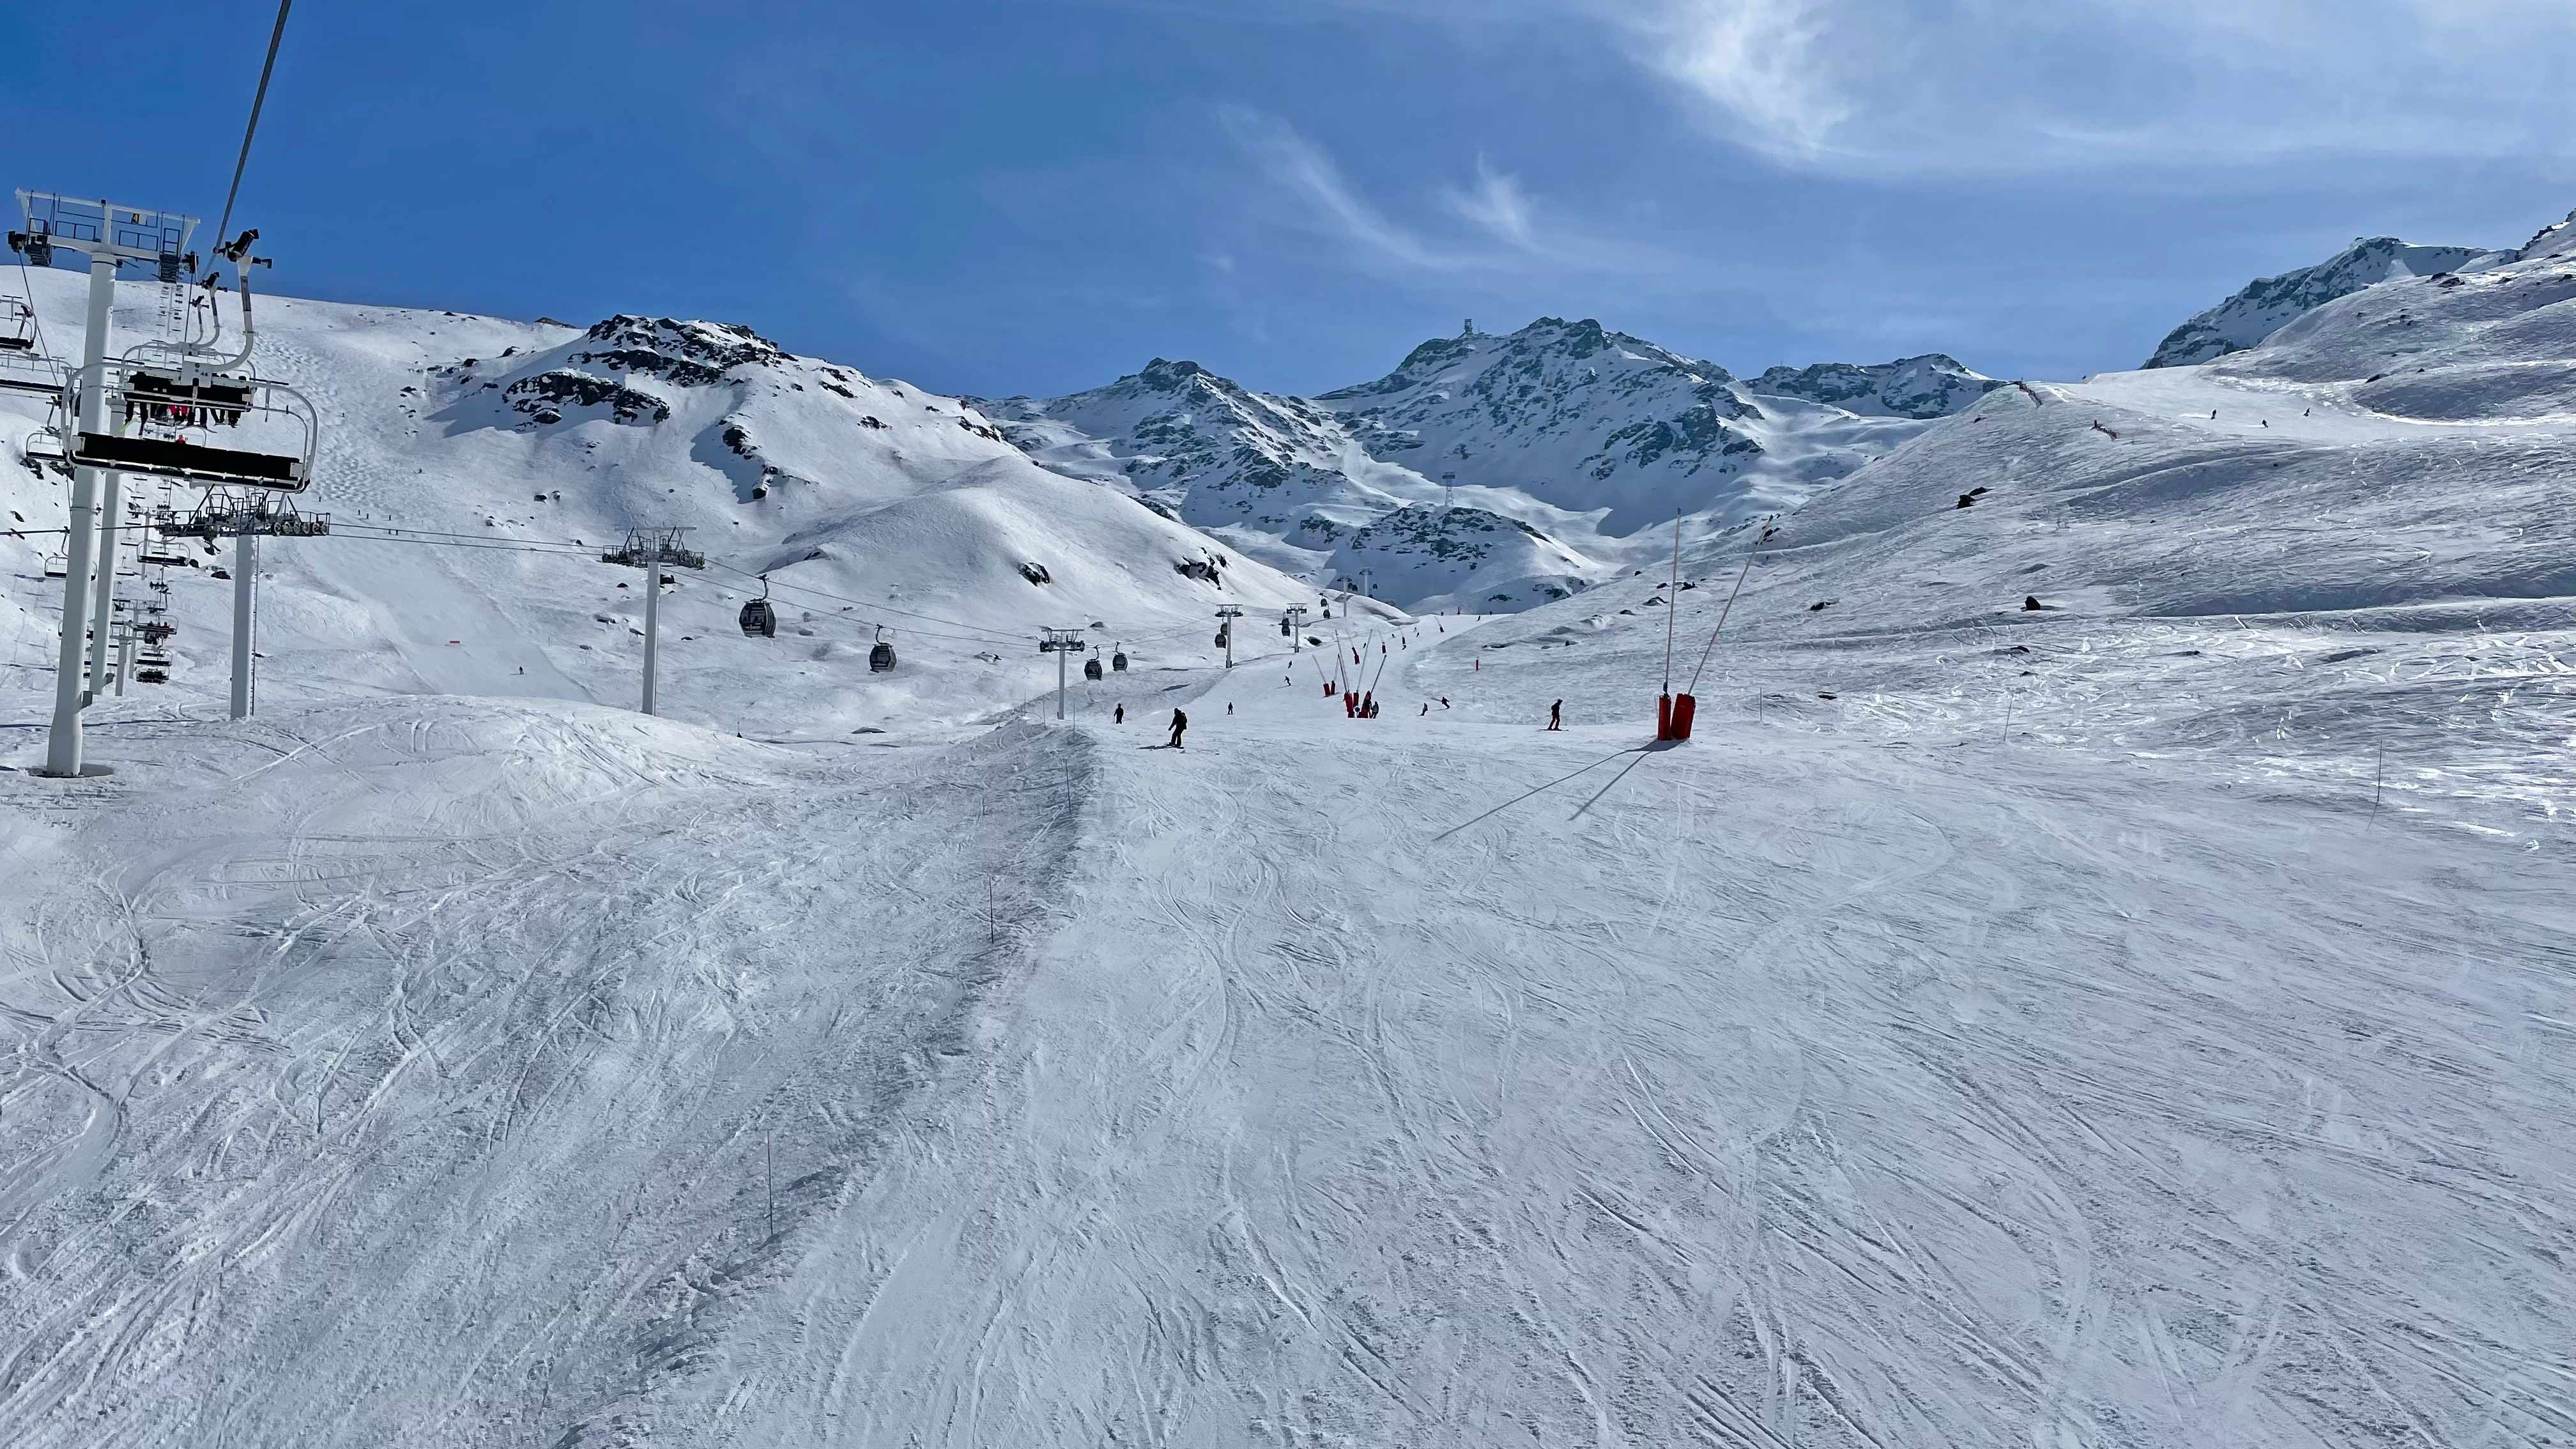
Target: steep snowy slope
[866, 501]
[1485, 471]
[2266, 303]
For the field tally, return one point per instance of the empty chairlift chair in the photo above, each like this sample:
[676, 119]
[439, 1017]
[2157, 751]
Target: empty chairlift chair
[17, 326]
[759, 620]
[881, 656]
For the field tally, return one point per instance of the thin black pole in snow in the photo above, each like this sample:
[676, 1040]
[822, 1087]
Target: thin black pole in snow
[1672, 601]
[2376, 776]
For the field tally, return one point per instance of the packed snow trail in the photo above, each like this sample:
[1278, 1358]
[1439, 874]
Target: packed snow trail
[413, 1072]
[1795, 1093]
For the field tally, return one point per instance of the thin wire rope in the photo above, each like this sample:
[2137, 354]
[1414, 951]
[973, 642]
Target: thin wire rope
[258, 99]
[998, 635]
[27, 284]
[1758, 540]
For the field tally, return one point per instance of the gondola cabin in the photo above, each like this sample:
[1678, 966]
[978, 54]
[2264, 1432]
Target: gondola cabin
[759, 620]
[881, 656]
[1091, 669]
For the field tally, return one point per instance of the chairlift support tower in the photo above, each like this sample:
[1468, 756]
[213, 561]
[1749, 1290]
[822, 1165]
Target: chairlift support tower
[245, 519]
[109, 235]
[652, 550]
[1226, 614]
[1063, 644]
[1295, 618]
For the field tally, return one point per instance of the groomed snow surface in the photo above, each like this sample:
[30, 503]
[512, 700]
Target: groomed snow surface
[2145, 1020]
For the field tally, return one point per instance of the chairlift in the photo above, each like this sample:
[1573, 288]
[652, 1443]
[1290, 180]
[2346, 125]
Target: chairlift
[881, 655]
[152, 676]
[282, 418]
[58, 566]
[1118, 661]
[1091, 667]
[43, 453]
[759, 621]
[17, 326]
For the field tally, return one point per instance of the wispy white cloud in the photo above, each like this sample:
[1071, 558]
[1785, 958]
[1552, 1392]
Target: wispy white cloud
[1505, 229]
[1323, 198]
[1498, 205]
[2021, 86]
[1952, 86]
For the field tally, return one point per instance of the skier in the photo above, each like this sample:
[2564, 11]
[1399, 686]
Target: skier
[1229, 707]
[1180, 722]
[1121, 717]
[1555, 715]
[1444, 701]
[1426, 709]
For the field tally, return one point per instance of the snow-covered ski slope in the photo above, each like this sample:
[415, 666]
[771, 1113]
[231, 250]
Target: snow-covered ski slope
[1994, 1027]
[866, 502]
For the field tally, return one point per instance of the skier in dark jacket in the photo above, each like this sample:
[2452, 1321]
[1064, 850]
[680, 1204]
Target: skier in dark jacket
[1180, 722]
[1122, 714]
[1555, 715]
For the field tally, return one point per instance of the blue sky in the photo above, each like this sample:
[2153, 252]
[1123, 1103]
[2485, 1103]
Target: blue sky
[1025, 196]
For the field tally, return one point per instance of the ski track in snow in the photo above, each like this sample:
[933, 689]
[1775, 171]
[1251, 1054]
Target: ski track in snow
[1994, 1028]
[399, 1076]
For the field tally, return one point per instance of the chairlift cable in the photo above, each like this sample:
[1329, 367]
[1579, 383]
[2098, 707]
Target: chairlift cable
[999, 636]
[257, 100]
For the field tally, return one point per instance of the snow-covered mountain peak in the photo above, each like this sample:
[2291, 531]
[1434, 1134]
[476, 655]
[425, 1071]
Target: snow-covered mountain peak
[1544, 345]
[2557, 239]
[2267, 303]
[1933, 385]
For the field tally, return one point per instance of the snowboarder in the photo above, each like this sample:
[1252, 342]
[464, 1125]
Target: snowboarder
[1121, 715]
[1556, 715]
[1180, 722]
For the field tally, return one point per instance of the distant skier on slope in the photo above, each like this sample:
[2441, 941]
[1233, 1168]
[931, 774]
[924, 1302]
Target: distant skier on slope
[1556, 715]
[1121, 716]
[1180, 722]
